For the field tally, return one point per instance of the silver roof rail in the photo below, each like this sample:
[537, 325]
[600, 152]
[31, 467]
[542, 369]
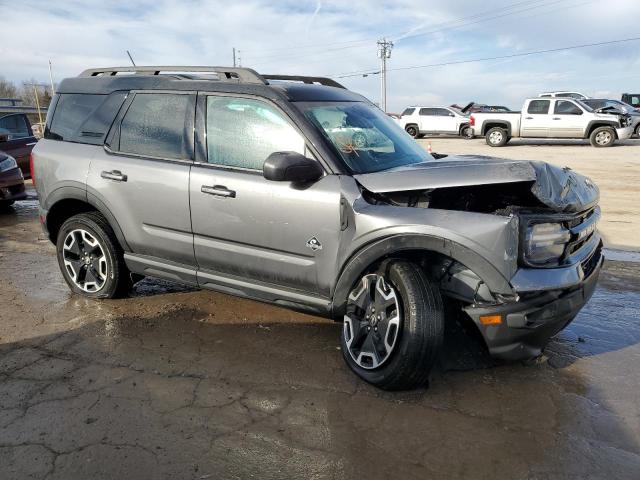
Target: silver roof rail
[226, 74]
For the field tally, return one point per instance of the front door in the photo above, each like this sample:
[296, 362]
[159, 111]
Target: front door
[143, 177]
[248, 228]
[566, 121]
[535, 121]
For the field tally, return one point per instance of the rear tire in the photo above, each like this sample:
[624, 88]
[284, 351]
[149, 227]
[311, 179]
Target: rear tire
[638, 131]
[414, 340]
[466, 132]
[412, 130]
[602, 137]
[496, 137]
[90, 257]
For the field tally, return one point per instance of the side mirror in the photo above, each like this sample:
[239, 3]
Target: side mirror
[291, 167]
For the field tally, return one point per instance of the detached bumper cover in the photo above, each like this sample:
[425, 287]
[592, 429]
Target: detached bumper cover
[624, 133]
[528, 324]
[12, 185]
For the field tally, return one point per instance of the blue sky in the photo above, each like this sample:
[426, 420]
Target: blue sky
[337, 37]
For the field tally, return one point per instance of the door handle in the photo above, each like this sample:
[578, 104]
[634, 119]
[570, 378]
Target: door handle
[115, 175]
[557, 118]
[528, 118]
[218, 191]
[32, 143]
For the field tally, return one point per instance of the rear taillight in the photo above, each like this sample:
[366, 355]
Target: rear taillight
[31, 171]
[472, 121]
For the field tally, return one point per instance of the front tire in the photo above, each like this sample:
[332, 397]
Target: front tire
[496, 137]
[466, 132]
[602, 137]
[90, 257]
[393, 327]
[4, 204]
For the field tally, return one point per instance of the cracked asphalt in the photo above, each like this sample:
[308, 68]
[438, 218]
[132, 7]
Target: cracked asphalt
[181, 383]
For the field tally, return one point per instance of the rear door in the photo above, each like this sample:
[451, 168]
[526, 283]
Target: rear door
[428, 119]
[567, 120]
[142, 175]
[20, 139]
[535, 121]
[247, 228]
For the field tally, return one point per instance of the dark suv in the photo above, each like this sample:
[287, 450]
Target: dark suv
[298, 192]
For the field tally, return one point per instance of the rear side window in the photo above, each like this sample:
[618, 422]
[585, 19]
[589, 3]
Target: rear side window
[428, 111]
[84, 118]
[539, 107]
[155, 125]
[442, 112]
[243, 132]
[15, 125]
[408, 111]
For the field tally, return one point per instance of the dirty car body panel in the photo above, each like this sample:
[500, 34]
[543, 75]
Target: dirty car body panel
[469, 221]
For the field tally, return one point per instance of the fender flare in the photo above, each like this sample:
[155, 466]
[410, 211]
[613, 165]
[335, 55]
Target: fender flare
[600, 123]
[78, 191]
[497, 123]
[388, 246]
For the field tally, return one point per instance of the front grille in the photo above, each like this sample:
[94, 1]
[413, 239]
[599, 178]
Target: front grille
[590, 264]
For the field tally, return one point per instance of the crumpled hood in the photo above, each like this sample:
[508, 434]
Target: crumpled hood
[561, 189]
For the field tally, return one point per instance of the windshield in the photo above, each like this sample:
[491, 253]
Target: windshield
[366, 139]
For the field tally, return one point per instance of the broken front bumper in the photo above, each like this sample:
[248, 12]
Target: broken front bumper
[526, 325]
[624, 133]
[12, 185]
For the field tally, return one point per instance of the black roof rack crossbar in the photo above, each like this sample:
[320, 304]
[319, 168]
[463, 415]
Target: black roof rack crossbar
[229, 74]
[297, 78]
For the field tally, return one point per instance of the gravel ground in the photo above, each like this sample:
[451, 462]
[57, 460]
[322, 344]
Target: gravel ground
[180, 383]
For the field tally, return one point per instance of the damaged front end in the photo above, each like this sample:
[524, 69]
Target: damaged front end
[557, 248]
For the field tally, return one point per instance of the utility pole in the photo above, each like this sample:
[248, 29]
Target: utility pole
[53, 90]
[234, 56]
[384, 52]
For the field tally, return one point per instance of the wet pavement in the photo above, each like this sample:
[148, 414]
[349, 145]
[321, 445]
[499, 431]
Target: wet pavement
[181, 383]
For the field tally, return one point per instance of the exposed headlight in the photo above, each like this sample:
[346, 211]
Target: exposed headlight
[7, 164]
[545, 242]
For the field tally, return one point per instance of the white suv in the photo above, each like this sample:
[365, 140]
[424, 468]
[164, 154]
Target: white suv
[420, 121]
[564, 94]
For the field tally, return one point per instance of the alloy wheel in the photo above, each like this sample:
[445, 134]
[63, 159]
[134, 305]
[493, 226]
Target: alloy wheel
[372, 321]
[85, 260]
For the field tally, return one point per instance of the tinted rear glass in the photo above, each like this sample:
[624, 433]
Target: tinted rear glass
[84, 118]
[155, 125]
[408, 111]
[538, 106]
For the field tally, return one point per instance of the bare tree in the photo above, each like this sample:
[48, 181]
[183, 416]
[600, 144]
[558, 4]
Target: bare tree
[7, 89]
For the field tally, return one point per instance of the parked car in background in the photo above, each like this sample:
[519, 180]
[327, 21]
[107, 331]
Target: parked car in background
[11, 181]
[617, 105]
[632, 99]
[17, 139]
[554, 118]
[420, 121]
[563, 94]
[239, 185]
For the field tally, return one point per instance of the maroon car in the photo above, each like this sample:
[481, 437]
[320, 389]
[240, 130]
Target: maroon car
[11, 181]
[16, 136]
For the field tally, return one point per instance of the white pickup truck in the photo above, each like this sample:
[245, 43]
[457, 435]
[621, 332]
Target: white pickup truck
[554, 118]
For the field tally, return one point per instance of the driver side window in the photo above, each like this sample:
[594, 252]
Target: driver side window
[243, 132]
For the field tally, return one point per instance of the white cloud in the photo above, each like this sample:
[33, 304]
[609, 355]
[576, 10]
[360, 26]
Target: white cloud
[310, 37]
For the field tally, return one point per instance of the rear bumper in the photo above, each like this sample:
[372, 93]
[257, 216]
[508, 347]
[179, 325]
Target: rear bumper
[528, 324]
[12, 185]
[624, 133]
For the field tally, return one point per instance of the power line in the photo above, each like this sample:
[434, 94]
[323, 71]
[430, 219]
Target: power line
[322, 48]
[484, 59]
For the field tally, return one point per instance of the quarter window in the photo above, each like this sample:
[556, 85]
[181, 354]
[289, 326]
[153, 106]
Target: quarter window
[566, 108]
[243, 132]
[538, 107]
[72, 110]
[156, 124]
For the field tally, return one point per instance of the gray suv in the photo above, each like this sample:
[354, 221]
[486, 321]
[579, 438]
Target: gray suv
[257, 186]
